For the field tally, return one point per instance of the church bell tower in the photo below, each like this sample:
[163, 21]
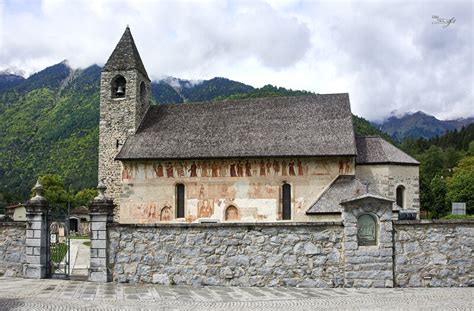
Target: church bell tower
[124, 100]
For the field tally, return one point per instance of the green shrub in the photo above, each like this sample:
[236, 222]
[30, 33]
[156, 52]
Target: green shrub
[458, 217]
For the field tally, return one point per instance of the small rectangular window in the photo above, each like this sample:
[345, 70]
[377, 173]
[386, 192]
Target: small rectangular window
[180, 201]
[286, 202]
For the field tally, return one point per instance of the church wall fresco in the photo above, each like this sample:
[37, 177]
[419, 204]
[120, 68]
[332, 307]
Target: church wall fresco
[251, 186]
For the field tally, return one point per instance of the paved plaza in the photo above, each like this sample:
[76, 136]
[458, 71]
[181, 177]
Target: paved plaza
[22, 294]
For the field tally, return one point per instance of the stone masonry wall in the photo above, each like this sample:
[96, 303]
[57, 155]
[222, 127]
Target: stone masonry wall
[434, 253]
[296, 254]
[12, 248]
[368, 266]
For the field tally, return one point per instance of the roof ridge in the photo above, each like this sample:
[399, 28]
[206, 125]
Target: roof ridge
[250, 99]
[368, 136]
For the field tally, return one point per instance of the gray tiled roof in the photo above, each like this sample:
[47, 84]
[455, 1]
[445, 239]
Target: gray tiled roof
[344, 187]
[125, 56]
[316, 125]
[375, 150]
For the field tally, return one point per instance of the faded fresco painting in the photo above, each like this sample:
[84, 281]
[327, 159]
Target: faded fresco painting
[236, 168]
[242, 190]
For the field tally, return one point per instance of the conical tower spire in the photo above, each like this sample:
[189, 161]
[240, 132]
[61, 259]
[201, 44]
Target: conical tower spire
[125, 56]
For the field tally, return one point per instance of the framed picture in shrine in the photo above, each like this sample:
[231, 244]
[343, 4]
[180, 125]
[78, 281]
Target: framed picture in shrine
[366, 230]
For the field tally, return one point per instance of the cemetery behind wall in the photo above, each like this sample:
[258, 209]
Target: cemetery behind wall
[425, 253]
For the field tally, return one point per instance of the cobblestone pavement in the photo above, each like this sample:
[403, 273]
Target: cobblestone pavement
[21, 294]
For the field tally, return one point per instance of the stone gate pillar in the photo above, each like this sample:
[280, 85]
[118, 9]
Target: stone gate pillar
[36, 235]
[101, 213]
[368, 246]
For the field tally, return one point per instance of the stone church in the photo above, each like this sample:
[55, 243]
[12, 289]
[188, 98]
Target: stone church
[278, 159]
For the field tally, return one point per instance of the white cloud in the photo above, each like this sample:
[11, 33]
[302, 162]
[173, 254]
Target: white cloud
[388, 55]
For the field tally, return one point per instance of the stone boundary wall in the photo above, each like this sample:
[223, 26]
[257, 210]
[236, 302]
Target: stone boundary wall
[12, 248]
[263, 254]
[434, 253]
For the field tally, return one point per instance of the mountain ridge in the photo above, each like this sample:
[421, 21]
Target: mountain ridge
[419, 125]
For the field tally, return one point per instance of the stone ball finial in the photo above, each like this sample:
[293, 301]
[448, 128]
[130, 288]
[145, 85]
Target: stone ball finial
[38, 189]
[101, 187]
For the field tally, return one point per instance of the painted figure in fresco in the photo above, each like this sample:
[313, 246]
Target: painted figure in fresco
[204, 169]
[240, 169]
[347, 166]
[276, 167]
[125, 174]
[262, 168]
[223, 168]
[231, 213]
[300, 168]
[283, 168]
[248, 169]
[180, 169]
[205, 210]
[192, 170]
[269, 166]
[159, 170]
[341, 167]
[150, 211]
[291, 168]
[169, 170]
[215, 169]
[165, 213]
[232, 170]
[201, 192]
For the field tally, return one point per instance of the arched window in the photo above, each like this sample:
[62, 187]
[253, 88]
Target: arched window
[366, 230]
[401, 196]
[232, 213]
[286, 189]
[179, 201]
[119, 85]
[142, 92]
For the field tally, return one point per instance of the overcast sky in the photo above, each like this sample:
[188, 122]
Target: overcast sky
[388, 56]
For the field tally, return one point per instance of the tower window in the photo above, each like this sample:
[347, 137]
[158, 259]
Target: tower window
[401, 196]
[286, 189]
[179, 201]
[118, 87]
[142, 92]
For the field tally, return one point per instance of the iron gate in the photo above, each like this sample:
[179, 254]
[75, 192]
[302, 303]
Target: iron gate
[58, 245]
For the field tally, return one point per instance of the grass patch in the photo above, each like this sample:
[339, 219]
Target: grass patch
[58, 251]
[78, 237]
[88, 243]
[458, 217]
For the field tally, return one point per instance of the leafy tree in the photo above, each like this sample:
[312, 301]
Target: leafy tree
[461, 184]
[451, 159]
[426, 196]
[438, 194]
[432, 162]
[84, 197]
[53, 189]
[470, 150]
